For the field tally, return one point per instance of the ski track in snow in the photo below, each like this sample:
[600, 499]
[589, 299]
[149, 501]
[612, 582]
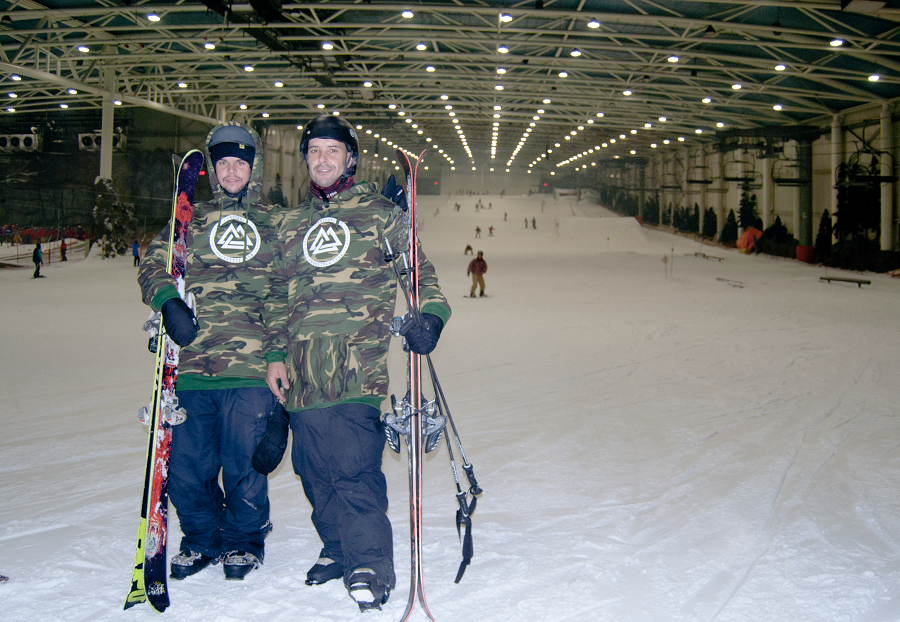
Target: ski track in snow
[715, 444]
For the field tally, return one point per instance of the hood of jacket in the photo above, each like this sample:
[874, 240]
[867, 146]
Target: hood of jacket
[253, 192]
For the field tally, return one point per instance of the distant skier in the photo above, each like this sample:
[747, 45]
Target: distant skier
[491, 231]
[62, 251]
[477, 232]
[526, 223]
[477, 268]
[37, 257]
[533, 223]
[468, 250]
[136, 252]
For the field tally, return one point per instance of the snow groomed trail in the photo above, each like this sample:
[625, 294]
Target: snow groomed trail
[691, 440]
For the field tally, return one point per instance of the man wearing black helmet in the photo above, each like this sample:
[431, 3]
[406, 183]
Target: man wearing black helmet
[221, 371]
[328, 312]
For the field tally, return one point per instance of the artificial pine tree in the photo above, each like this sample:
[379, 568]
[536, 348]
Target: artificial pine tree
[710, 224]
[729, 233]
[823, 238]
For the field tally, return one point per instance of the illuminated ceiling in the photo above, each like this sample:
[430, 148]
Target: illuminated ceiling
[698, 65]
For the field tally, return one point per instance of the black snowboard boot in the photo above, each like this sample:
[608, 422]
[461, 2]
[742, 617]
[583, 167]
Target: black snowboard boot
[324, 570]
[187, 563]
[238, 564]
[367, 589]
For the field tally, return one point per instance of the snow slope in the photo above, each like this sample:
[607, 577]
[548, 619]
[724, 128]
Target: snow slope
[697, 440]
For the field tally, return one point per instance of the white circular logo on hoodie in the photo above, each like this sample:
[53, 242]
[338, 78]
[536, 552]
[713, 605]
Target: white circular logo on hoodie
[324, 241]
[234, 239]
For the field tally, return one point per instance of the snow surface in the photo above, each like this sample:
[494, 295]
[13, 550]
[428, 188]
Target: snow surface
[690, 440]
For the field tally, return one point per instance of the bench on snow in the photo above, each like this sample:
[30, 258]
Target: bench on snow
[844, 279]
[705, 256]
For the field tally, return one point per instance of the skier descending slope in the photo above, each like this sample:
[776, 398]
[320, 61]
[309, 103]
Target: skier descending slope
[333, 292]
[221, 373]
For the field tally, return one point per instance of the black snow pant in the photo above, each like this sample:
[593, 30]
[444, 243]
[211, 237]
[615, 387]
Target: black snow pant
[337, 454]
[37, 270]
[220, 433]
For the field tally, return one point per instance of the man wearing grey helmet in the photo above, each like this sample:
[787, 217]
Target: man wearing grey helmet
[328, 312]
[221, 372]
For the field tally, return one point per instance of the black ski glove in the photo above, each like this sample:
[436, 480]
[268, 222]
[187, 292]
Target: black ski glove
[394, 192]
[179, 320]
[270, 451]
[422, 338]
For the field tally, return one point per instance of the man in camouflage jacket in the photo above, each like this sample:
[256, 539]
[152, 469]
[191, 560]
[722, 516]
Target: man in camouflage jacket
[329, 309]
[221, 371]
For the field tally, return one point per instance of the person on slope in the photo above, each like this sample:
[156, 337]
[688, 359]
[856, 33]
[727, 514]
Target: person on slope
[329, 310]
[477, 268]
[221, 372]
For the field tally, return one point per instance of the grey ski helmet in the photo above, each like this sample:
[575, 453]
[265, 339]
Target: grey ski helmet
[336, 128]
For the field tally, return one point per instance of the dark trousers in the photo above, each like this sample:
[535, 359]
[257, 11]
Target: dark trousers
[220, 433]
[37, 270]
[337, 454]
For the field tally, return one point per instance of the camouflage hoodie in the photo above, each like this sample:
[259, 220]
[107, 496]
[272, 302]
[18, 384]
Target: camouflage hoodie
[229, 253]
[331, 297]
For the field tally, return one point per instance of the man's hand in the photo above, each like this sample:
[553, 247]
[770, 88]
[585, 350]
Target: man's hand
[179, 320]
[277, 379]
[422, 338]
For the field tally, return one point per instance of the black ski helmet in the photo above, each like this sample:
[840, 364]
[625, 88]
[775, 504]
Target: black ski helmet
[336, 128]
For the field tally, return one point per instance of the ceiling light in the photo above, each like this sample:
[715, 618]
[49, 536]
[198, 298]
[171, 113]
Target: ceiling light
[320, 106]
[429, 69]
[209, 46]
[117, 102]
[780, 67]
[575, 53]
[10, 110]
[367, 84]
[64, 106]
[662, 119]
[407, 14]
[503, 49]
[153, 17]
[505, 17]
[444, 97]
[707, 100]
[666, 141]
[15, 77]
[736, 87]
[720, 124]
[83, 48]
[698, 131]
[12, 95]
[501, 70]
[498, 108]
[626, 93]
[248, 68]
[563, 74]
[874, 77]
[243, 106]
[681, 139]
[421, 47]
[499, 87]
[72, 92]
[391, 106]
[265, 115]
[546, 101]
[836, 43]
[673, 59]
[776, 107]
[279, 84]
[182, 85]
[593, 24]
[648, 125]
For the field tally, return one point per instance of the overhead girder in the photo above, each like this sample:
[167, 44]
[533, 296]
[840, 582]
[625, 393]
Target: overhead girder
[719, 42]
